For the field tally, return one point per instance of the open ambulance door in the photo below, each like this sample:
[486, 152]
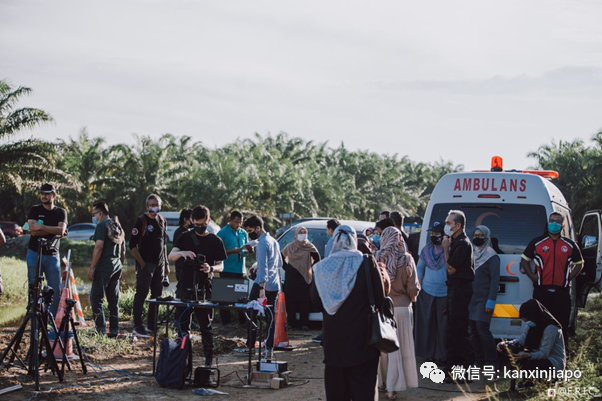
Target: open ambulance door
[591, 247]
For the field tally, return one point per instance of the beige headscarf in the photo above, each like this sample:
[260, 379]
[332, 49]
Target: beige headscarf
[298, 255]
[392, 251]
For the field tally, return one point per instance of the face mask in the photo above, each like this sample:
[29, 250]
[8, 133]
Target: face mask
[531, 324]
[154, 209]
[436, 240]
[448, 230]
[253, 236]
[200, 230]
[94, 220]
[302, 237]
[478, 241]
[328, 236]
[554, 228]
[376, 240]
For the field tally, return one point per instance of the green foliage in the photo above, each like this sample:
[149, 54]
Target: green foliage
[14, 277]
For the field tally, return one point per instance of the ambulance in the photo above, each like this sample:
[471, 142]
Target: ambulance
[515, 205]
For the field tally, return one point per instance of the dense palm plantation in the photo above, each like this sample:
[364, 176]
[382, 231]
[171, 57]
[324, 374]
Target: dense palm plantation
[260, 175]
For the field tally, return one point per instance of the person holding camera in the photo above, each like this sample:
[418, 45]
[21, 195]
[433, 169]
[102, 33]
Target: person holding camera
[267, 282]
[48, 221]
[147, 244]
[234, 239]
[106, 268]
[200, 254]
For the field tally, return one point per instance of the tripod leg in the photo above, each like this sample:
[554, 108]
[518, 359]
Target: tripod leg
[15, 341]
[53, 365]
[34, 352]
[79, 348]
[62, 344]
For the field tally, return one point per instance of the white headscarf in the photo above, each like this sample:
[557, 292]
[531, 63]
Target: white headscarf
[335, 275]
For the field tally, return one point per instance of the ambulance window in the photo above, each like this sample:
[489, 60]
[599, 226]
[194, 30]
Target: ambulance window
[589, 232]
[568, 223]
[512, 226]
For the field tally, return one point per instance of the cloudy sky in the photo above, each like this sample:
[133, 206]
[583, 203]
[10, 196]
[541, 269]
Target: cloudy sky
[458, 80]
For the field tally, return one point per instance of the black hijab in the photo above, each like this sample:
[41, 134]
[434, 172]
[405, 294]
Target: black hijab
[535, 312]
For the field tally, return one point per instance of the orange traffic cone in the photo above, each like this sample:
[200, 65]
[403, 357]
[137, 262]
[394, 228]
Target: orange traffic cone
[281, 337]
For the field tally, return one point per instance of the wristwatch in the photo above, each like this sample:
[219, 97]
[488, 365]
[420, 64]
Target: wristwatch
[210, 269]
[261, 288]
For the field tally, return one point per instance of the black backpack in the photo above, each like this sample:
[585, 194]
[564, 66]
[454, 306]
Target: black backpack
[175, 363]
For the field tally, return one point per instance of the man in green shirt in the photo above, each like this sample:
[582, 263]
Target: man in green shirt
[234, 239]
[106, 268]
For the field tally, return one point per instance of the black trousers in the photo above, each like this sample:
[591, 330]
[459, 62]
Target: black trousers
[271, 327]
[356, 383]
[205, 318]
[459, 349]
[147, 279]
[225, 314]
[559, 305]
[292, 307]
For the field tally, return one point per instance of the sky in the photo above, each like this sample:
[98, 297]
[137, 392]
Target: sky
[458, 80]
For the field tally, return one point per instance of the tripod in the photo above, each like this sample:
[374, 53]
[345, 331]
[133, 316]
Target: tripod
[37, 318]
[66, 324]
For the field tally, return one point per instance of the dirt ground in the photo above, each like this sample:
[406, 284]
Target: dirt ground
[136, 383]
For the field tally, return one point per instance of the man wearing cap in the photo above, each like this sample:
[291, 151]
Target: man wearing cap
[431, 321]
[48, 221]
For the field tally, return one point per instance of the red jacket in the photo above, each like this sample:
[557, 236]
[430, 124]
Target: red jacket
[553, 260]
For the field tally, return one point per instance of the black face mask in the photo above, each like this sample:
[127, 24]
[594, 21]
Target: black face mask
[253, 236]
[436, 240]
[200, 230]
[478, 241]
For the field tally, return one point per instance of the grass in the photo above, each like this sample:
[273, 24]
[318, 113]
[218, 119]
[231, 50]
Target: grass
[14, 277]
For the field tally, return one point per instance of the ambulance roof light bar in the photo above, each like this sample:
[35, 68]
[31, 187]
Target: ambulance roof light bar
[497, 165]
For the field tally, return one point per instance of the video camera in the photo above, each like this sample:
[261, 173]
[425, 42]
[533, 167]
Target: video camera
[196, 262]
[194, 288]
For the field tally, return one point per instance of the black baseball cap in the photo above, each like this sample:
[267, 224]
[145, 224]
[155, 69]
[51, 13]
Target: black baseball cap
[48, 188]
[437, 227]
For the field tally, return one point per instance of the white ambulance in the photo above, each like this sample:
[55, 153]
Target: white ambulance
[515, 205]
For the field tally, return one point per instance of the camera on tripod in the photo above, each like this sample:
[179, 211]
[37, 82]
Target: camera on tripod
[47, 293]
[48, 244]
[70, 302]
[196, 262]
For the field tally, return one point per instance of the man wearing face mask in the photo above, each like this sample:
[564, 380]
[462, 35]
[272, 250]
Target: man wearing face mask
[267, 282]
[557, 262]
[460, 275]
[192, 243]
[147, 244]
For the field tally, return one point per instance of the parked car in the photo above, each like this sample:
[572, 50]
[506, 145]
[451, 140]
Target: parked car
[316, 234]
[173, 218]
[11, 229]
[81, 231]
[281, 230]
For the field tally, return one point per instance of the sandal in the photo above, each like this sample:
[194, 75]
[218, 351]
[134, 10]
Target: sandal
[392, 397]
[382, 388]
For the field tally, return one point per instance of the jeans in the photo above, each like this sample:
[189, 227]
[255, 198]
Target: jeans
[483, 344]
[104, 284]
[51, 269]
[147, 279]
[271, 322]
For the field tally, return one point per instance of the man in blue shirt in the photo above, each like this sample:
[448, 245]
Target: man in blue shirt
[267, 282]
[234, 239]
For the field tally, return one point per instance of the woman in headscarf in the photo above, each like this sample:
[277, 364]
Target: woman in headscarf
[484, 294]
[431, 322]
[542, 339]
[401, 372]
[340, 287]
[298, 258]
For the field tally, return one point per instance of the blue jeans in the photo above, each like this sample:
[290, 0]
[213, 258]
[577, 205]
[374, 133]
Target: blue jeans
[104, 284]
[51, 269]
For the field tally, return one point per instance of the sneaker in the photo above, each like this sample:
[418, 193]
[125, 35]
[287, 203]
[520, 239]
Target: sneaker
[141, 331]
[317, 339]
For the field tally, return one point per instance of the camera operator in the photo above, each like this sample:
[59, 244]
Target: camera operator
[147, 244]
[267, 282]
[48, 221]
[199, 253]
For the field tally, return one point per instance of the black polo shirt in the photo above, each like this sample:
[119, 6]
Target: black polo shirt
[461, 259]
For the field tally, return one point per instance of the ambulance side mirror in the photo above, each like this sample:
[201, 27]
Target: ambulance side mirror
[589, 241]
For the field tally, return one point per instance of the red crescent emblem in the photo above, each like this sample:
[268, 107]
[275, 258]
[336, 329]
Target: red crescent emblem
[508, 268]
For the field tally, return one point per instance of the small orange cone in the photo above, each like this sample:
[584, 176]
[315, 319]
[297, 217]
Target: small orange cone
[281, 337]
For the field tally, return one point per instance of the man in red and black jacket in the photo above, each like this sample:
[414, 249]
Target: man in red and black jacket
[557, 262]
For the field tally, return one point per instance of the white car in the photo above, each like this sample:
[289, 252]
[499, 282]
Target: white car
[81, 231]
[173, 219]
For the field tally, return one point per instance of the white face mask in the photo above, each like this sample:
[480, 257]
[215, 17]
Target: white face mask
[301, 237]
[448, 230]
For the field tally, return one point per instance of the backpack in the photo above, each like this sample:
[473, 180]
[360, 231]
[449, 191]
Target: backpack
[175, 362]
[145, 224]
[115, 231]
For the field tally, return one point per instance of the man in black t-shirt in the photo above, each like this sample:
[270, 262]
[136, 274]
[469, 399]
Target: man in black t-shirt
[460, 275]
[47, 221]
[189, 245]
[147, 244]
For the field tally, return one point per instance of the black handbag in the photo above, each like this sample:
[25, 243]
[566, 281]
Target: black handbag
[383, 327]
